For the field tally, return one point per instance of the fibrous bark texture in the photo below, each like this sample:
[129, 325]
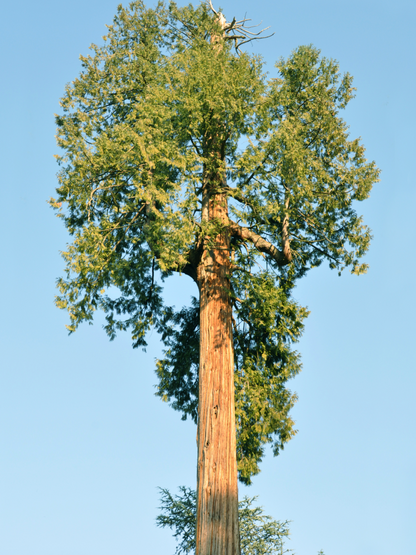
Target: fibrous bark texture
[217, 521]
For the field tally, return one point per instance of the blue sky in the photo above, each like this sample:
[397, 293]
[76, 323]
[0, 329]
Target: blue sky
[84, 443]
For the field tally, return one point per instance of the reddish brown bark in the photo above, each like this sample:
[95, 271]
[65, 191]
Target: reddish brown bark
[217, 500]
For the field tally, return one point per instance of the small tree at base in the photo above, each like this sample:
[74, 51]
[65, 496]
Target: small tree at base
[180, 155]
[260, 534]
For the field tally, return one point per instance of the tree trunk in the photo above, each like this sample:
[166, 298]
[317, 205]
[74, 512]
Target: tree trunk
[217, 497]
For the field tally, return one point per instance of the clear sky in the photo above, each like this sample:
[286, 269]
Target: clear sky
[84, 442]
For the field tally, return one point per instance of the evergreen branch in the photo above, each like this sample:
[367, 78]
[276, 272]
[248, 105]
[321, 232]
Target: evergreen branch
[195, 146]
[312, 244]
[320, 232]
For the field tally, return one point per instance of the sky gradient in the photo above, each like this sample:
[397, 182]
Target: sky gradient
[84, 443]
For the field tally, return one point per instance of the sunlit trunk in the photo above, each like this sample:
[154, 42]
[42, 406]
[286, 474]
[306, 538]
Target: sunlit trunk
[217, 505]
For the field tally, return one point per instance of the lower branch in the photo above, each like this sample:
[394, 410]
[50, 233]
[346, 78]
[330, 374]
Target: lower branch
[245, 234]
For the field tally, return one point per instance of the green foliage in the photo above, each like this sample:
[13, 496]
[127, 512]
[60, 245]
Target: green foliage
[158, 107]
[259, 533]
[267, 323]
[178, 371]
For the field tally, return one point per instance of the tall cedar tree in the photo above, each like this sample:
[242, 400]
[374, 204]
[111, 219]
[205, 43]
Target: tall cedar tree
[180, 155]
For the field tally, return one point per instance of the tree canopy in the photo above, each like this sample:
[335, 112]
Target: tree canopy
[154, 112]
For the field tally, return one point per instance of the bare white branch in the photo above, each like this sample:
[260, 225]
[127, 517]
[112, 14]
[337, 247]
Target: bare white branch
[212, 7]
[236, 30]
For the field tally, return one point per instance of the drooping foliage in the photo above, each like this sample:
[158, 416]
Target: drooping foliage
[154, 110]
